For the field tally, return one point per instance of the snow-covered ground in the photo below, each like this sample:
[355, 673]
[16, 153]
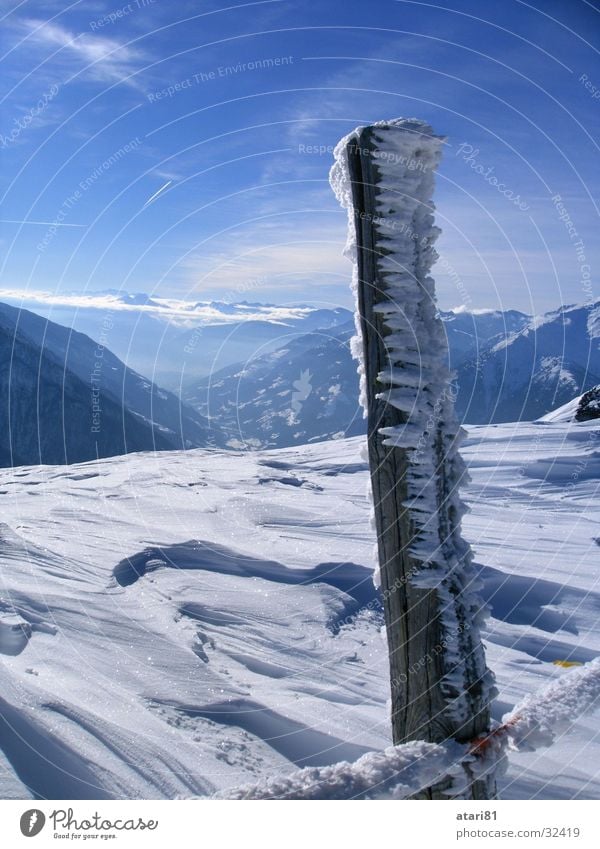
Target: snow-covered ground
[180, 623]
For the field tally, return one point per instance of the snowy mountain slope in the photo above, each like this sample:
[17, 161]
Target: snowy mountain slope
[56, 379]
[305, 391]
[509, 367]
[46, 412]
[535, 370]
[470, 332]
[177, 623]
[174, 341]
[179, 343]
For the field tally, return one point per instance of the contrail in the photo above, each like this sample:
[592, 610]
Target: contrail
[44, 223]
[156, 194]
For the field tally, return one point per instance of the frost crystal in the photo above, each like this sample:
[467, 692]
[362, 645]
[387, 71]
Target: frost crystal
[402, 771]
[417, 382]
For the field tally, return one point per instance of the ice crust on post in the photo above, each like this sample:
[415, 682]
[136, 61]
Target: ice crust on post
[417, 382]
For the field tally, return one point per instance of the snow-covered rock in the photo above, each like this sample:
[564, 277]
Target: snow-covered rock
[589, 405]
[580, 409]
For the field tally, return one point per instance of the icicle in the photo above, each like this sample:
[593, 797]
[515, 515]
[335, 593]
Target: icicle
[417, 382]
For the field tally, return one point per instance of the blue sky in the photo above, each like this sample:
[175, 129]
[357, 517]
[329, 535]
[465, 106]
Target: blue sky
[233, 113]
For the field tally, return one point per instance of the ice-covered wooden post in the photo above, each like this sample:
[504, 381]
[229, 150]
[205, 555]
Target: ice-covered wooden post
[440, 685]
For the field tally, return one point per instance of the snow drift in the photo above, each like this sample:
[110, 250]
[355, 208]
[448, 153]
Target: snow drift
[402, 771]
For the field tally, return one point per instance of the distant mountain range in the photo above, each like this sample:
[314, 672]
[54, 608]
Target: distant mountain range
[469, 334]
[66, 398]
[532, 371]
[173, 341]
[256, 375]
[509, 366]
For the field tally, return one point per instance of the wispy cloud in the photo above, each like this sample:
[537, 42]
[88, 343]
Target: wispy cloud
[102, 58]
[290, 258]
[172, 310]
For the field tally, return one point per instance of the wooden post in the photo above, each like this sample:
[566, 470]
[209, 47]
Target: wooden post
[421, 660]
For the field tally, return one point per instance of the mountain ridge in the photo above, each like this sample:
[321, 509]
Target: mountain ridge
[508, 366]
[68, 399]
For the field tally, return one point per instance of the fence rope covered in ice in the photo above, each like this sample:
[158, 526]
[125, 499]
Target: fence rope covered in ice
[539, 718]
[395, 773]
[403, 771]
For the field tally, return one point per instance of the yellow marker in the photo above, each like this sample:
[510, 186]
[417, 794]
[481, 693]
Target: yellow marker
[567, 663]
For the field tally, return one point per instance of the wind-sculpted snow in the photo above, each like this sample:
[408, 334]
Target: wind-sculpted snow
[296, 741]
[403, 771]
[157, 688]
[348, 577]
[45, 762]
